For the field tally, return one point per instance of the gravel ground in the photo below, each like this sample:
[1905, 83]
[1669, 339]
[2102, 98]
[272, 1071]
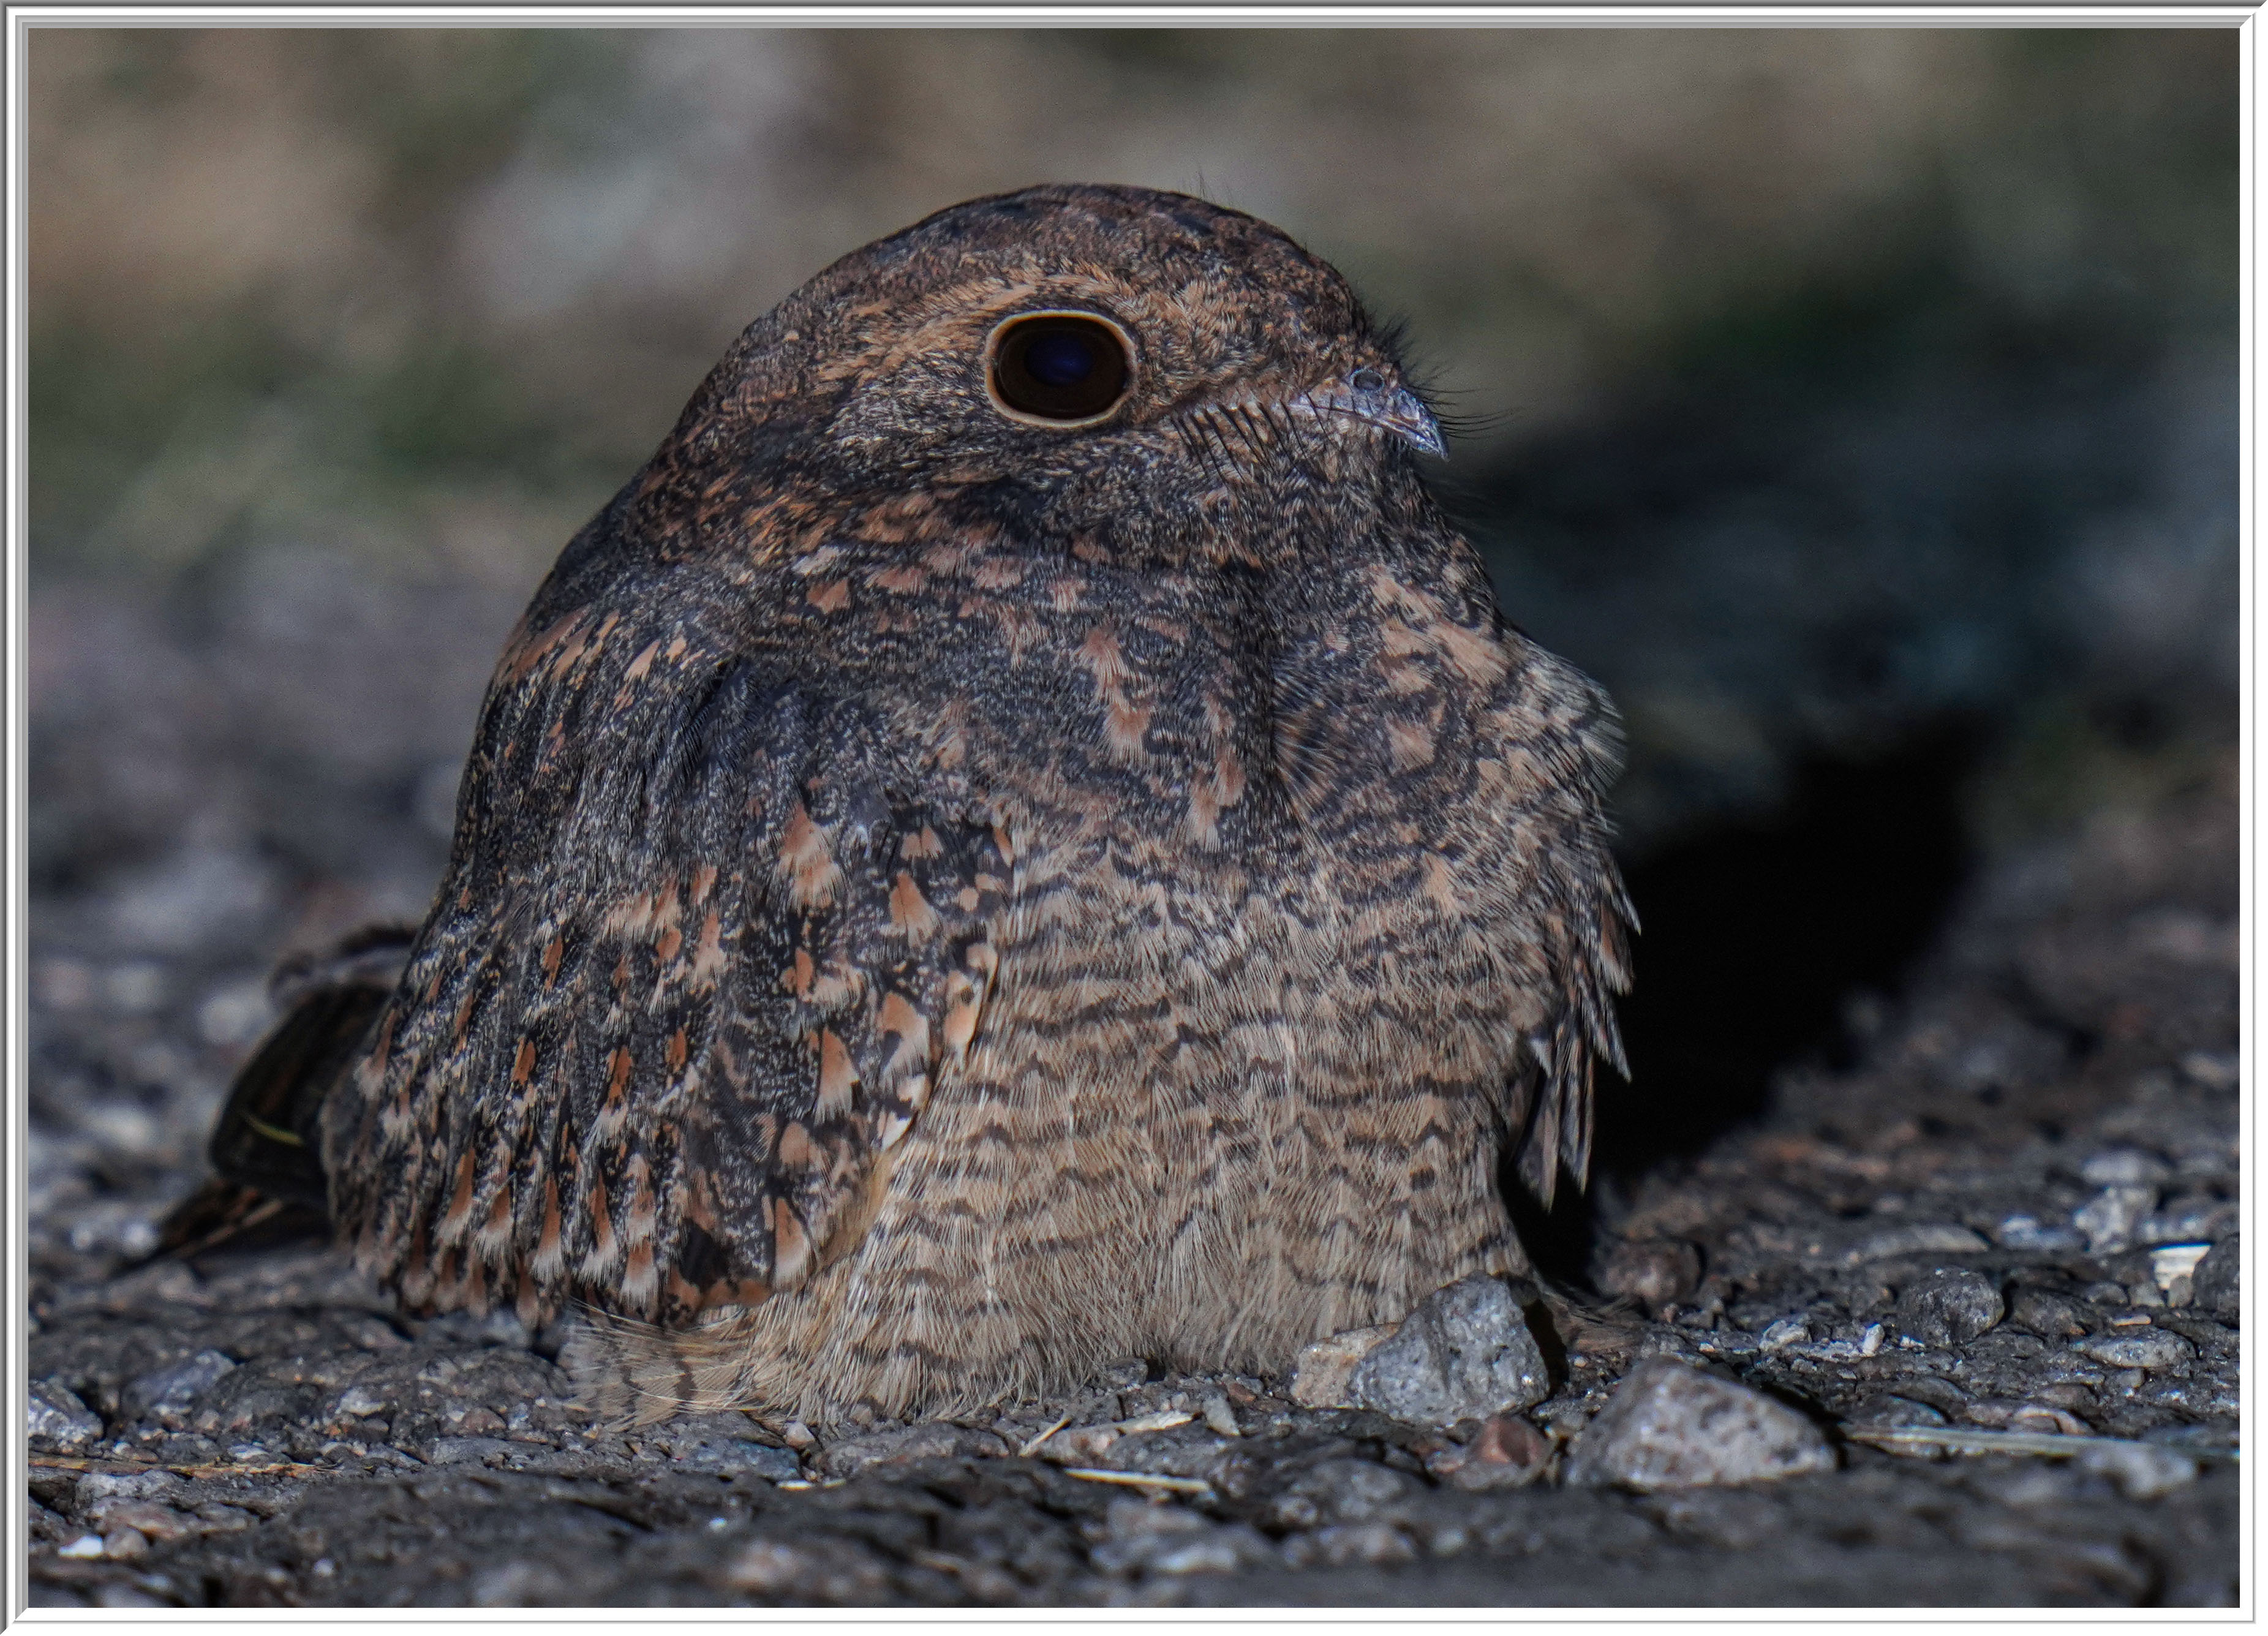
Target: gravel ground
[1989, 1231]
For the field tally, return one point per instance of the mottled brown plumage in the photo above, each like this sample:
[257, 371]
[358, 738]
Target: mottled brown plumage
[940, 900]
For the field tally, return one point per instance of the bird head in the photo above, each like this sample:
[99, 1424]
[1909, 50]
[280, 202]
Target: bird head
[1100, 362]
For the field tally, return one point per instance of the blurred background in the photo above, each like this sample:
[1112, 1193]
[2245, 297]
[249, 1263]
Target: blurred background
[1860, 406]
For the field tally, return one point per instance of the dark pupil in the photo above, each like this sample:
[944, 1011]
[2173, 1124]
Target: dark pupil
[1060, 358]
[1060, 368]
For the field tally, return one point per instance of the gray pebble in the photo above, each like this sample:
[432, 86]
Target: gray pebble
[1916, 1238]
[1465, 1353]
[1672, 1425]
[2110, 1220]
[59, 1420]
[2045, 1313]
[170, 1393]
[2124, 1167]
[2214, 1285]
[360, 1402]
[468, 1450]
[1653, 1271]
[97, 1486]
[1948, 1305]
[1339, 1491]
[2141, 1472]
[1889, 1408]
[2136, 1349]
[932, 1441]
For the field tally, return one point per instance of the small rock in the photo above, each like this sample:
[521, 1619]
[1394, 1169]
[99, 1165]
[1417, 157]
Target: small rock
[1366, 1545]
[59, 1420]
[2046, 1314]
[1320, 1372]
[723, 1442]
[2190, 1218]
[2110, 1220]
[2140, 1472]
[1939, 1394]
[1163, 1420]
[1785, 1333]
[1078, 1445]
[2217, 1071]
[1340, 1491]
[1169, 1539]
[2021, 1415]
[1889, 1408]
[470, 1451]
[506, 1585]
[1220, 1419]
[167, 1395]
[48, 1527]
[1916, 1238]
[92, 1490]
[1465, 1353]
[1949, 1306]
[2143, 1348]
[1672, 1425]
[1508, 1453]
[2124, 1167]
[1566, 1416]
[150, 1518]
[2214, 1285]
[767, 1567]
[934, 1441]
[824, 1571]
[1652, 1271]
[1172, 1539]
[125, 1544]
[2023, 1231]
[358, 1402]
[2172, 1262]
[1725, 1518]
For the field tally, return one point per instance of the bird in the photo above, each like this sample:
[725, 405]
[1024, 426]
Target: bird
[1022, 838]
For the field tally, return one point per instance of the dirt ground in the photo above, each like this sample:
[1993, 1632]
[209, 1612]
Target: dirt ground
[1964, 1233]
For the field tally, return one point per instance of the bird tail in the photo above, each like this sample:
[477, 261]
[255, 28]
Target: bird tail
[265, 1150]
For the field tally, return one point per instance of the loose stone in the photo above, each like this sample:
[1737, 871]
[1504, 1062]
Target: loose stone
[1673, 1426]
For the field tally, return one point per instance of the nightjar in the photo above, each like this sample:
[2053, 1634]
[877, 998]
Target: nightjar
[1019, 838]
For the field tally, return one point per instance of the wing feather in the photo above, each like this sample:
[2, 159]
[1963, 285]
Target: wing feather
[704, 944]
[1585, 917]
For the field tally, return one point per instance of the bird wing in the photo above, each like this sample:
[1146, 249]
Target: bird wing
[1582, 918]
[704, 947]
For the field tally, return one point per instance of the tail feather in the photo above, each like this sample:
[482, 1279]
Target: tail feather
[265, 1149]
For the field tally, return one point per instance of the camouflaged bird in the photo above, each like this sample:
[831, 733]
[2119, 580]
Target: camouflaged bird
[1019, 838]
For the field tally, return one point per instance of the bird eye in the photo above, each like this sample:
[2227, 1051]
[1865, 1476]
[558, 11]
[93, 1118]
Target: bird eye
[1064, 369]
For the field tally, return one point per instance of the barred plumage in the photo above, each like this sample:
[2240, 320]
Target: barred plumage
[940, 900]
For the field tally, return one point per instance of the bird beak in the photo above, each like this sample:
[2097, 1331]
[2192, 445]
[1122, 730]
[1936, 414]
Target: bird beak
[1369, 395]
[1408, 418]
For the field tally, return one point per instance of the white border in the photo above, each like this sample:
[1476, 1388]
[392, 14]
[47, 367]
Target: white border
[1292, 14]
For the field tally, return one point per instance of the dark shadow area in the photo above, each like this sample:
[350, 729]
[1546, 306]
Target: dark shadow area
[1756, 934]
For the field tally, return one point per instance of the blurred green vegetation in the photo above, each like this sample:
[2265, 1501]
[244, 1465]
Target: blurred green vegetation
[264, 252]
[1817, 381]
